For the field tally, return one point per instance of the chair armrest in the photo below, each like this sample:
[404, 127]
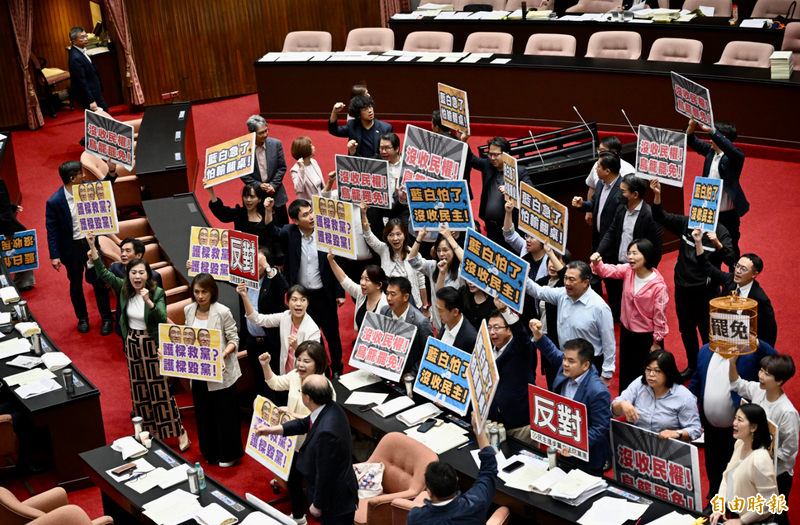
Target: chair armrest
[103, 520]
[400, 509]
[379, 508]
[500, 516]
[8, 439]
[48, 501]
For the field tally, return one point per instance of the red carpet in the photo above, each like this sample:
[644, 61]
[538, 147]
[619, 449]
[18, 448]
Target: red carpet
[102, 359]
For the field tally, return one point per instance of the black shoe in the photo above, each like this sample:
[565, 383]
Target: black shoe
[108, 327]
[687, 374]
[337, 375]
[83, 326]
[607, 465]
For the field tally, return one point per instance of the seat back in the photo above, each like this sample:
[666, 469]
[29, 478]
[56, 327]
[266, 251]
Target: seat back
[370, 39]
[169, 277]
[501, 43]
[791, 42]
[721, 7]
[175, 313]
[772, 9]
[676, 50]
[137, 228]
[307, 41]
[497, 5]
[615, 44]
[593, 6]
[405, 460]
[551, 44]
[152, 254]
[429, 41]
[746, 54]
[15, 512]
[513, 5]
[66, 515]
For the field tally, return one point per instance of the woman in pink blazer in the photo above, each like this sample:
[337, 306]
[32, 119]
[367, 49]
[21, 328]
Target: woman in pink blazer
[644, 307]
[306, 175]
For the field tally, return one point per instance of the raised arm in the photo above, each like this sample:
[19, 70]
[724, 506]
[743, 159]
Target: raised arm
[414, 251]
[457, 249]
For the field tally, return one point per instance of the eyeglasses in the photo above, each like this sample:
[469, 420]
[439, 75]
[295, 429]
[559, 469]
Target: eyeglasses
[741, 268]
[442, 251]
[650, 371]
[495, 155]
[386, 148]
[632, 252]
[496, 327]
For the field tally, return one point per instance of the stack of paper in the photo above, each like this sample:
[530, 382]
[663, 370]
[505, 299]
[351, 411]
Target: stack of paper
[128, 447]
[175, 507]
[577, 487]
[31, 376]
[430, 13]
[214, 514]
[757, 23]
[174, 476]
[612, 511]
[14, 346]
[359, 378]
[665, 15]
[440, 439]
[365, 398]
[37, 388]
[417, 415]
[781, 65]
[9, 294]
[435, 7]
[395, 405]
[23, 361]
[544, 484]
[674, 518]
[497, 15]
[55, 360]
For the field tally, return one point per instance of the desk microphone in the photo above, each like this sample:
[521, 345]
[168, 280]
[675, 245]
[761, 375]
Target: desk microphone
[594, 147]
[629, 123]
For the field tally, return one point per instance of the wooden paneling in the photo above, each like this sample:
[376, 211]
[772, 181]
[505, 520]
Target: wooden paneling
[205, 49]
[52, 20]
[12, 91]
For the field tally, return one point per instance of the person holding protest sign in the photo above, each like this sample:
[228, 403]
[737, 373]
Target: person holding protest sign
[368, 295]
[306, 175]
[129, 249]
[269, 167]
[548, 313]
[456, 331]
[644, 307]
[363, 131]
[609, 143]
[398, 292]
[439, 128]
[143, 306]
[9, 225]
[477, 304]
[531, 249]
[218, 429]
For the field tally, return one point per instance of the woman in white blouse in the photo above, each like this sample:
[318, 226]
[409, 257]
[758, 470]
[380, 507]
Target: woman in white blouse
[306, 175]
[368, 294]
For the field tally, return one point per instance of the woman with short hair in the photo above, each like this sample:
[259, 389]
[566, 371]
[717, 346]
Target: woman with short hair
[306, 173]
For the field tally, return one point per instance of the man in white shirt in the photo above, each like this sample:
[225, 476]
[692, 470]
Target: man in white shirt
[398, 292]
[457, 332]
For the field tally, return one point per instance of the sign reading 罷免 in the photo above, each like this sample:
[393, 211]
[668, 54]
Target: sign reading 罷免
[274, 452]
[442, 376]
[482, 376]
[436, 202]
[692, 100]
[334, 231]
[558, 421]
[109, 139]
[543, 217]
[665, 468]
[730, 328]
[243, 264]
[96, 207]
[364, 180]
[230, 160]
[661, 154]
[208, 252]
[382, 346]
[428, 155]
[511, 178]
[453, 108]
[21, 252]
[494, 269]
[706, 198]
[191, 353]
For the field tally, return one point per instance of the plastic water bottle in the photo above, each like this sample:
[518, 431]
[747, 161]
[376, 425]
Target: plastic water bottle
[201, 475]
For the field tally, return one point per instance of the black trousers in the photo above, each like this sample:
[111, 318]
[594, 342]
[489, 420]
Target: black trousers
[296, 497]
[324, 312]
[256, 346]
[344, 519]
[731, 220]
[494, 231]
[75, 264]
[719, 449]
[784, 487]
[280, 216]
[218, 428]
[691, 304]
[634, 347]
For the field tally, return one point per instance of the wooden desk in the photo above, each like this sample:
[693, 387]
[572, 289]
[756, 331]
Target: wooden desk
[108, 69]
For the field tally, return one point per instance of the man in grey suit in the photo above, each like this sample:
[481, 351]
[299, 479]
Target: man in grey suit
[269, 168]
[398, 291]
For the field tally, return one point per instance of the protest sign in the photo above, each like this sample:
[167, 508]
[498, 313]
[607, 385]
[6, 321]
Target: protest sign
[706, 198]
[692, 100]
[661, 154]
[243, 264]
[20, 252]
[482, 376]
[543, 217]
[558, 421]
[436, 202]
[191, 353]
[730, 329]
[97, 210]
[442, 376]
[453, 108]
[382, 346]
[208, 252]
[511, 179]
[428, 155]
[665, 468]
[274, 452]
[230, 160]
[334, 230]
[494, 269]
[109, 139]
[366, 180]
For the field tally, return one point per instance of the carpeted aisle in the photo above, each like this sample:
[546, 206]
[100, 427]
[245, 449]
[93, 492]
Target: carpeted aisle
[102, 359]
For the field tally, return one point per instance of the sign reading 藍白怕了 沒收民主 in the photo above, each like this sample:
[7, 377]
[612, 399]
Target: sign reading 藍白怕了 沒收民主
[494, 269]
[706, 198]
[436, 202]
[442, 376]
[20, 252]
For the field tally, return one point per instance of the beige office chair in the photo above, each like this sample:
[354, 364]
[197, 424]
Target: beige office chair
[71, 515]
[791, 42]
[721, 7]
[551, 44]
[137, 228]
[501, 43]
[774, 9]
[497, 5]
[593, 6]
[615, 44]
[15, 512]
[370, 39]
[676, 50]
[746, 54]
[429, 41]
[174, 288]
[513, 5]
[307, 41]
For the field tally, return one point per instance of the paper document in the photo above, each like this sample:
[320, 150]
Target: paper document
[142, 467]
[175, 507]
[31, 376]
[268, 510]
[674, 518]
[758, 23]
[706, 10]
[405, 16]
[574, 484]
[444, 15]
[543, 484]
[359, 378]
[417, 415]
[214, 514]
[149, 480]
[474, 57]
[392, 407]
[295, 57]
[257, 518]
[522, 478]
[9, 294]
[440, 439]
[27, 329]
[24, 361]
[55, 360]
[37, 388]
[430, 57]
[462, 15]
[499, 457]
[570, 18]
[128, 447]
[497, 15]
[365, 398]
[16, 346]
[174, 476]
[501, 61]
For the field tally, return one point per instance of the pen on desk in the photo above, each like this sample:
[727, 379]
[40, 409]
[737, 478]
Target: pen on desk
[468, 443]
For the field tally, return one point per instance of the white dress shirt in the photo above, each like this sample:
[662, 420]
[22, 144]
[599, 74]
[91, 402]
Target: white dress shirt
[744, 291]
[571, 387]
[261, 158]
[449, 336]
[309, 275]
[628, 223]
[85, 53]
[718, 404]
[73, 211]
[394, 176]
[725, 203]
[625, 168]
[401, 317]
[605, 191]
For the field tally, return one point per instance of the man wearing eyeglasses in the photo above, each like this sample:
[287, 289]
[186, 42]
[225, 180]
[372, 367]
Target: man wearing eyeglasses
[87, 90]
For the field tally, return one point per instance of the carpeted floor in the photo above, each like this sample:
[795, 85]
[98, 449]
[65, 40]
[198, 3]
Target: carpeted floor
[102, 359]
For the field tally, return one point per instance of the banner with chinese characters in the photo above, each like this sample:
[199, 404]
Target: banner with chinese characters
[482, 376]
[665, 468]
[21, 252]
[559, 422]
[436, 202]
[230, 160]
[729, 328]
[442, 376]
[706, 198]
[661, 154]
[97, 210]
[366, 180]
[692, 100]
[109, 139]
[274, 452]
[243, 264]
[191, 353]
[454, 108]
[494, 269]
[382, 346]
[428, 155]
[208, 252]
[511, 179]
[334, 231]
[543, 217]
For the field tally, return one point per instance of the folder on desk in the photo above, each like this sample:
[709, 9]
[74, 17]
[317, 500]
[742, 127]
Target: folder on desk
[55, 361]
[392, 407]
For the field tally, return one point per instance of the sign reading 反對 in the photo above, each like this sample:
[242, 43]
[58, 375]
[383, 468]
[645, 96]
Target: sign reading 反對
[511, 178]
[191, 353]
[453, 108]
[243, 264]
[482, 376]
[442, 376]
[543, 217]
[436, 202]
[97, 210]
[21, 252]
[364, 180]
[558, 421]
[494, 269]
[692, 100]
[208, 252]
[661, 154]
[334, 231]
[428, 155]
[382, 346]
[274, 452]
[706, 198]
[230, 160]
[109, 139]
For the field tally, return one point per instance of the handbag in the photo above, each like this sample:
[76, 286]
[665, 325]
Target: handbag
[370, 479]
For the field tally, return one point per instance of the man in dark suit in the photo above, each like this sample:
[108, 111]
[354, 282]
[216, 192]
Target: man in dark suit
[309, 267]
[398, 291]
[457, 331]
[87, 90]
[129, 250]
[363, 131]
[269, 168]
[69, 246]
[326, 457]
[723, 161]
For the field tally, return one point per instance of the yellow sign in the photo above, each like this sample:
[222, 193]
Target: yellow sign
[543, 218]
[208, 252]
[230, 160]
[97, 210]
[193, 353]
[274, 452]
[334, 227]
[454, 108]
